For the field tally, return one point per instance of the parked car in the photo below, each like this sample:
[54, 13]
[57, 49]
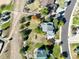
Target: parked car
[65, 54]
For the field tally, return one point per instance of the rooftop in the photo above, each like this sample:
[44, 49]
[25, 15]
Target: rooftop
[41, 54]
[48, 28]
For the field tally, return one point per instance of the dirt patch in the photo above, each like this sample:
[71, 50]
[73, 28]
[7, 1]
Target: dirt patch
[4, 2]
[6, 54]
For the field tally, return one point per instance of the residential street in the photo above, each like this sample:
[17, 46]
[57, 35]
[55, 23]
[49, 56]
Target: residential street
[65, 28]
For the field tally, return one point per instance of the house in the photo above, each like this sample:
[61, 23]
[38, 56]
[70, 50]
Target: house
[5, 16]
[40, 54]
[48, 28]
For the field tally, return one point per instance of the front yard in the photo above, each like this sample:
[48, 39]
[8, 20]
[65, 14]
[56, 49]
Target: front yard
[8, 7]
[5, 25]
[76, 20]
[61, 3]
[34, 6]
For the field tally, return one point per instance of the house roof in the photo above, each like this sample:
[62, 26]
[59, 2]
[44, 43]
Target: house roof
[50, 35]
[49, 29]
[47, 26]
[41, 54]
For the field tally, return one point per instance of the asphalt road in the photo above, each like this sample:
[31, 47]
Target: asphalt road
[64, 33]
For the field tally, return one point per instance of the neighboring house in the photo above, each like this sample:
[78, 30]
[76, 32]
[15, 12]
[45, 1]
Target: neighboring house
[48, 28]
[5, 16]
[1, 45]
[40, 54]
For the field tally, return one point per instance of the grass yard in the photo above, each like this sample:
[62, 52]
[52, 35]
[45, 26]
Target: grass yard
[61, 3]
[56, 51]
[34, 5]
[76, 20]
[5, 25]
[6, 7]
[72, 47]
[57, 35]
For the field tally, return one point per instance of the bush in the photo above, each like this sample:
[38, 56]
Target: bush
[76, 20]
[56, 51]
[39, 30]
[44, 11]
[61, 23]
[22, 20]
[24, 49]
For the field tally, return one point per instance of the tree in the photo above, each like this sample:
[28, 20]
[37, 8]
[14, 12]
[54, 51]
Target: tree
[61, 23]
[39, 30]
[24, 49]
[22, 20]
[44, 11]
[55, 21]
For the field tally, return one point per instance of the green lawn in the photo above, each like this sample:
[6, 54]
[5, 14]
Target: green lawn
[61, 3]
[76, 20]
[5, 25]
[57, 36]
[74, 45]
[34, 5]
[6, 7]
[38, 45]
[56, 51]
